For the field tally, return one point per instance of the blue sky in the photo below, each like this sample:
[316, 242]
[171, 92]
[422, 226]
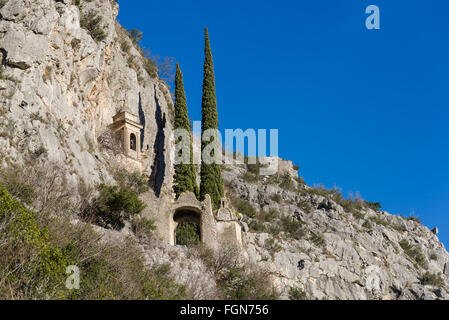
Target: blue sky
[365, 110]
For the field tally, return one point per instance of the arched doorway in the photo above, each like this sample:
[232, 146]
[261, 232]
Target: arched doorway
[187, 226]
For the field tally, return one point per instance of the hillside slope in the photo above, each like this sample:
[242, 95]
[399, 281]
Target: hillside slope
[335, 248]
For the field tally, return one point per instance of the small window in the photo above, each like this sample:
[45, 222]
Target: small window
[132, 142]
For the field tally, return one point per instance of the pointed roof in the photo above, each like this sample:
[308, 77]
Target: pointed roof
[125, 108]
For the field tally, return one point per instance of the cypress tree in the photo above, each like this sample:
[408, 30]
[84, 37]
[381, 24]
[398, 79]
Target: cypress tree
[211, 179]
[185, 173]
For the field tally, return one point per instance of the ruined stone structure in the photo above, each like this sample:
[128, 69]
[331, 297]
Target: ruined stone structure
[227, 224]
[216, 228]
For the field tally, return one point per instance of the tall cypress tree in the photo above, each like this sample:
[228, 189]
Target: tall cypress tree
[211, 179]
[185, 173]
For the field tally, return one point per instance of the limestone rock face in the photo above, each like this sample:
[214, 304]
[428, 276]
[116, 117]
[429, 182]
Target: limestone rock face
[339, 255]
[60, 88]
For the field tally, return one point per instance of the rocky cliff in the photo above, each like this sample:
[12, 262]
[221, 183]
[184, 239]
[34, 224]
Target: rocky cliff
[60, 88]
[335, 248]
[62, 82]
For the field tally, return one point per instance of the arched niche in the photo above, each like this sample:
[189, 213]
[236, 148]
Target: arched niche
[133, 142]
[186, 214]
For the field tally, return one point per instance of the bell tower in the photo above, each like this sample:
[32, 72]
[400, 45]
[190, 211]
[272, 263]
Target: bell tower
[128, 127]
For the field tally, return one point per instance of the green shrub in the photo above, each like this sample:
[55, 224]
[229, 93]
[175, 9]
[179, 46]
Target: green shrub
[305, 206]
[150, 67]
[287, 182]
[28, 261]
[351, 205]
[433, 279]
[254, 169]
[136, 36]
[143, 228]
[292, 227]
[276, 198]
[273, 180]
[378, 220]
[320, 190]
[252, 173]
[188, 234]
[125, 46]
[357, 214]
[257, 226]
[367, 225]
[296, 294]
[273, 229]
[300, 181]
[249, 178]
[92, 23]
[267, 216]
[113, 206]
[405, 245]
[317, 239]
[16, 187]
[36, 248]
[414, 252]
[399, 227]
[241, 284]
[272, 246]
[376, 206]
[415, 219]
[132, 63]
[75, 43]
[134, 180]
[244, 207]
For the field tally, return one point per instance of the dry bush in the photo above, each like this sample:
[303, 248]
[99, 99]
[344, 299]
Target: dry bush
[199, 288]
[135, 180]
[37, 247]
[84, 205]
[236, 278]
[164, 67]
[226, 258]
[110, 141]
[43, 186]
[143, 228]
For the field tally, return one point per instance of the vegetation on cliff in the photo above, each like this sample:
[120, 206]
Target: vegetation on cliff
[211, 179]
[38, 247]
[185, 173]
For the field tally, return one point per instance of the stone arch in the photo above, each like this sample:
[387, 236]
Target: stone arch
[201, 211]
[186, 214]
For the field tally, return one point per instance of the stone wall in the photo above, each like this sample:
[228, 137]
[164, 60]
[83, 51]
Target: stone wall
[166, 209]
[229, 233]
[214, 232]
